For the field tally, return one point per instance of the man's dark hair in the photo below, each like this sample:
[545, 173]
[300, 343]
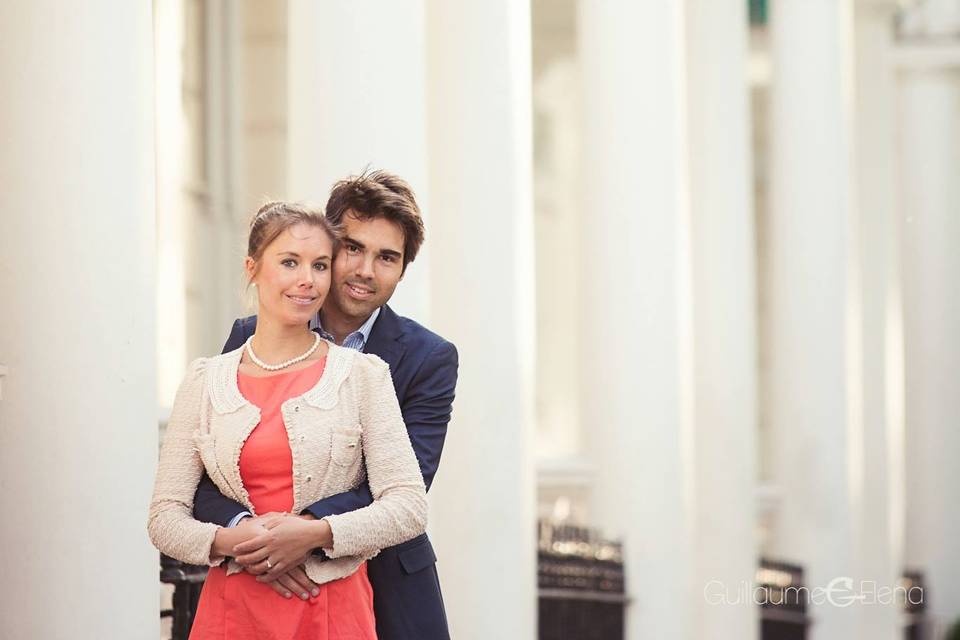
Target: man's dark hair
[379, 194]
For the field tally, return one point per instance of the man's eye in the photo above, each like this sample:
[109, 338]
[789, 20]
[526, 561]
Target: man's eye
[389, 258]
[352, 248]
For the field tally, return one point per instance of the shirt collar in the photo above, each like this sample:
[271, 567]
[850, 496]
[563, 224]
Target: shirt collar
[364, 329]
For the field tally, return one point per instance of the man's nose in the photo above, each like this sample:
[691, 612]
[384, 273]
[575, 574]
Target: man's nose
[365, 267]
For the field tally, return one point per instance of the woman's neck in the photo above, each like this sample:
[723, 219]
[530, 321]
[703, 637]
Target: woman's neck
[277, 342]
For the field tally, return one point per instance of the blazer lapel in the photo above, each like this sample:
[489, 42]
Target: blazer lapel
[385, 338]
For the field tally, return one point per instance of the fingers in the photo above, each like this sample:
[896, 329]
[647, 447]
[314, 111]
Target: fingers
[255, 569]
[253, 550]
[299, 576]
[277, 568]
[260, 555]
[292, 586]
[282, 588]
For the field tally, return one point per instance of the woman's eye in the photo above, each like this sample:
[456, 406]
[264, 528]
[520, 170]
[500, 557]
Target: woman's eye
[320, 266]
[289, 262]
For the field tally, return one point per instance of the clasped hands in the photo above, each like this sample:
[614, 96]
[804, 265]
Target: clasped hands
[274, 547]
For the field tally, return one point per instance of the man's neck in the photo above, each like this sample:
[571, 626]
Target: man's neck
[338, 325]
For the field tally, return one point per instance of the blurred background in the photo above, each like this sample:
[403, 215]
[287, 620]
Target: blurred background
[698, 257]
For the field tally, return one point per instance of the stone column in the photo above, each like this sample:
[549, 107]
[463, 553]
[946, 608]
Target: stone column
[725, 325]
[930, 162]
[482, 502]
[879, 540]
[814, 381]
[356, 99]
[636, 318]
[78, 422]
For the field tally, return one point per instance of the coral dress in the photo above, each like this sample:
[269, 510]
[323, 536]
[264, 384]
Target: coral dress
[240, 608]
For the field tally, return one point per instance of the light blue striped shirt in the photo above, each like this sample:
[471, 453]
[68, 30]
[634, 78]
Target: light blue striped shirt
[356, 340]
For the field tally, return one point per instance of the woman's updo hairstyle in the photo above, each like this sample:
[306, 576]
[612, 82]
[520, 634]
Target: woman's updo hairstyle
[275, 217]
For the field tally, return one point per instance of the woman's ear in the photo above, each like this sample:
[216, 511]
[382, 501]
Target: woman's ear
[250, 266]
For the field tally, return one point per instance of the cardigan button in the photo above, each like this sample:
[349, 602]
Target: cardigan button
[309, 478]
[296, 408]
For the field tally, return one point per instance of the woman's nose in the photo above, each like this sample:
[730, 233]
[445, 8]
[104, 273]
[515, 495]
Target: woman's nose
[305, 278]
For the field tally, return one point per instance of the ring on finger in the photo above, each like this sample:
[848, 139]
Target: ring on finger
[269, 566]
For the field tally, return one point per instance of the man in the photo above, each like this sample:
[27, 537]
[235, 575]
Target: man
[382, 231]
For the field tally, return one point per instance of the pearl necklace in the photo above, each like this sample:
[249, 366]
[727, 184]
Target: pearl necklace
[283, 365]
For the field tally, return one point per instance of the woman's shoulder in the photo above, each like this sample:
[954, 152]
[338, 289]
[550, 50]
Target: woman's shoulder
[200, 366]
[217, 376]
[366, 365]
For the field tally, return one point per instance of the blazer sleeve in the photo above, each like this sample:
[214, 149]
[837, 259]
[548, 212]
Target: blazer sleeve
[170, 524]
[428, 405]
[399, 509]
[209, 505]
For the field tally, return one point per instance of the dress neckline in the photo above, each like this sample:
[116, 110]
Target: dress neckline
[282, 373]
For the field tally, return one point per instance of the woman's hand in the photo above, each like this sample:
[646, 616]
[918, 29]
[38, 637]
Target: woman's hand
[285, 544]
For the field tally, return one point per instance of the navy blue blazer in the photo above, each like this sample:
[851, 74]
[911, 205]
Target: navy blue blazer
[407, 600]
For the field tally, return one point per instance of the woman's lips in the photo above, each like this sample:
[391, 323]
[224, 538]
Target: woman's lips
[303, 300]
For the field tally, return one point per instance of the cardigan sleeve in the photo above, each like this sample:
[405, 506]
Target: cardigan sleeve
[399, 509]
[171, 525]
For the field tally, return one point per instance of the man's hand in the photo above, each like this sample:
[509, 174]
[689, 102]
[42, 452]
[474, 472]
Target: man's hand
[295, 581]
[286, 543]
[227, 538]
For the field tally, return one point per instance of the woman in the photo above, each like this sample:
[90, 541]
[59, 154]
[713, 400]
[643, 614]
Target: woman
[279, 424]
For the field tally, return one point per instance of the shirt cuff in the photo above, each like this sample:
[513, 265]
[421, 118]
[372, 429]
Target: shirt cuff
[237, 518]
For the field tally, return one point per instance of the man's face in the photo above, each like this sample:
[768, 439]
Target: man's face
[367, 268]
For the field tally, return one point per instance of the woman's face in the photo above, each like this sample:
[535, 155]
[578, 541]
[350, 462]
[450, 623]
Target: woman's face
[293, 274]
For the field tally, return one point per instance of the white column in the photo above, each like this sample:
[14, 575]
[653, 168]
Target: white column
[78, 424]
[813, 292]
[879, 542]
[482, 503]
[930, 218]
[357, 98]
[636, 369]
[725, 326]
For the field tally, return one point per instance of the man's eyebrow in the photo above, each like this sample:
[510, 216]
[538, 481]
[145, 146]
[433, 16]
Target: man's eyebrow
[383, 252]
[348, 239]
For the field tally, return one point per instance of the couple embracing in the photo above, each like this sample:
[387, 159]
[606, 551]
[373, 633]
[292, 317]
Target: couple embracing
[296, 463]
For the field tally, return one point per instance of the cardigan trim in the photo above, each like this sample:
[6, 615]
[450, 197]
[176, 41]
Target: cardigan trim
[224, 392]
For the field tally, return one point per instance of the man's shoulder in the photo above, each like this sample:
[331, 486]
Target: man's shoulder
[242, 329]
[420, 338]
[248, 324]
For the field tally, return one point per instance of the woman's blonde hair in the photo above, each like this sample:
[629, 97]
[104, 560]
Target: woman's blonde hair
[274, 217]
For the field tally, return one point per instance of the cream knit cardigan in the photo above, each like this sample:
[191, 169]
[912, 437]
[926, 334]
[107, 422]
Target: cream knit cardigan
[346, 427]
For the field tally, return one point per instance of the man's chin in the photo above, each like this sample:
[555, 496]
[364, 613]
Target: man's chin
[360, 311]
